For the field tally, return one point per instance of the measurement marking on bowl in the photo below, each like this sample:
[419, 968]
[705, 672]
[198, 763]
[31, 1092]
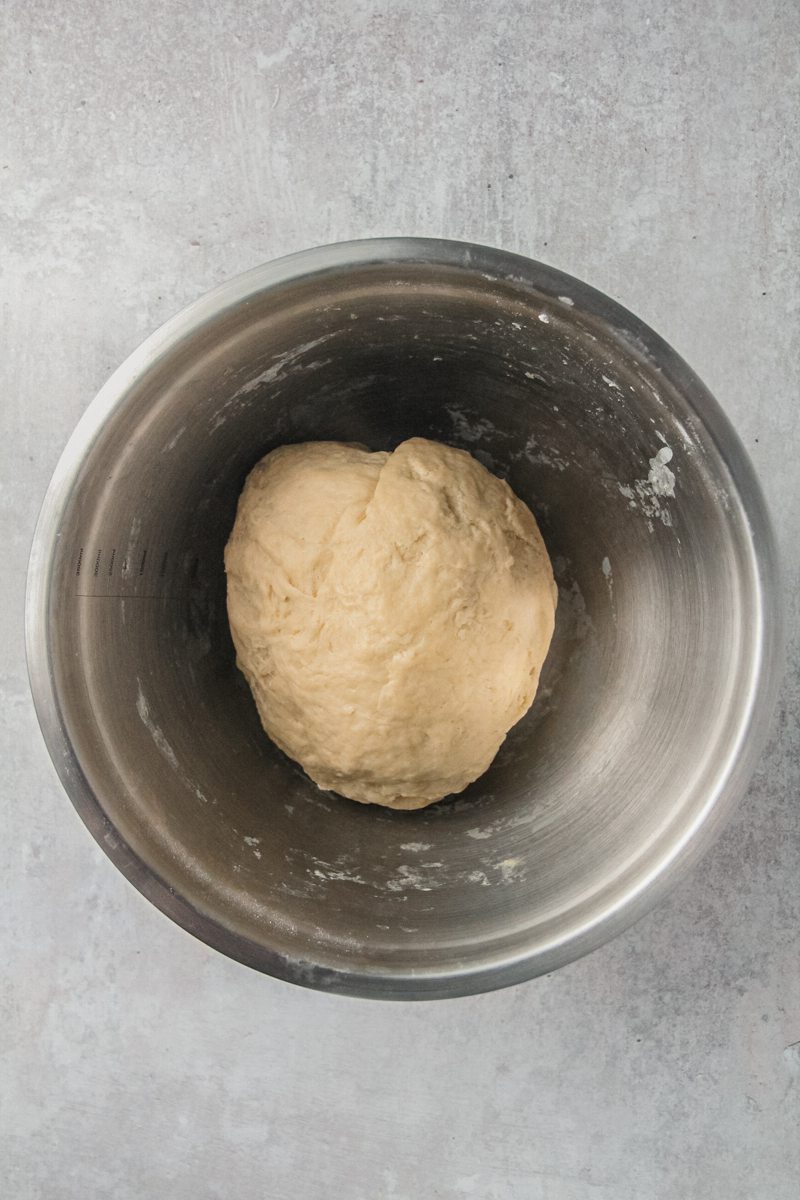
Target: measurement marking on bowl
[125, 596]
[131, 574]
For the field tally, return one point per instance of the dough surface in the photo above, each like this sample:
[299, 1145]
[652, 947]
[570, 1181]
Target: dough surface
[391, 613]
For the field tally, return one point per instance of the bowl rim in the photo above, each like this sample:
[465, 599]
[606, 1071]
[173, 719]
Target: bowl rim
[766, 635]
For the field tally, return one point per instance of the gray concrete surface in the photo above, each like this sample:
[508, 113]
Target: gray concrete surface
[149, 151]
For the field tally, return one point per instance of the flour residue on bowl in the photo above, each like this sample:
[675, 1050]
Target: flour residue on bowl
[289, 358]
[470, 428]
[539, 456]
[479, 877]
[661, 478]
[649, 495]
[605, 567]
[425, 878]
[154, 730]
[510, 870]
[163, 746]
[173, 441]
[341, 876]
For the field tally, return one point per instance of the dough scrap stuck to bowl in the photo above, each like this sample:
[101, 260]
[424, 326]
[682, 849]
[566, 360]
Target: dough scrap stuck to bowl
[391, 613]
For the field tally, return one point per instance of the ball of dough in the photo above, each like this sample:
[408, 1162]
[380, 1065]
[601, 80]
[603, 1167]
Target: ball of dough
[391, 613]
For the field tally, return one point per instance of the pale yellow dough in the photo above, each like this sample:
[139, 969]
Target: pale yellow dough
[391, 613]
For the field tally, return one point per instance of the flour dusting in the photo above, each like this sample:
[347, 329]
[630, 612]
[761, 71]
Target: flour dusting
[661, 478]
[155, 732]
[609, 578]
[649, 496]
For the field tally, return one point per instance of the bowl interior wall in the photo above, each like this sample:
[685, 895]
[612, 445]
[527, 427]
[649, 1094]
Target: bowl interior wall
[634, 705]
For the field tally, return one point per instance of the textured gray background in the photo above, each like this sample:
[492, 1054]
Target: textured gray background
[147, 152]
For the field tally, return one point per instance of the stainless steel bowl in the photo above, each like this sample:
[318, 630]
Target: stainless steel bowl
[656, 692]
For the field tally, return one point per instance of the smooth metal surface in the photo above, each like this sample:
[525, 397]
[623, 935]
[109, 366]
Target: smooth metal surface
[655, 696]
